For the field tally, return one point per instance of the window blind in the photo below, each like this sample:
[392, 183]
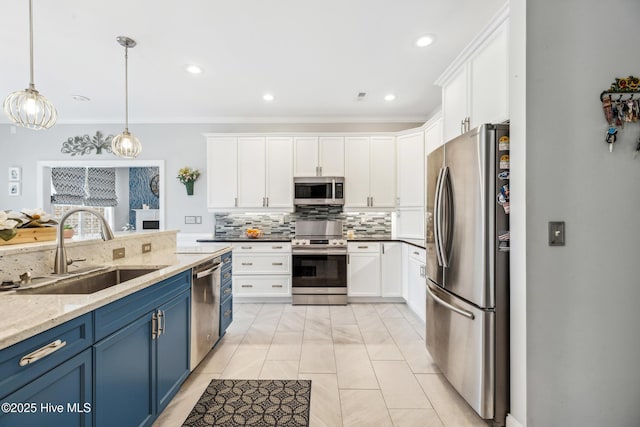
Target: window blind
[101, 187]
[69, 184]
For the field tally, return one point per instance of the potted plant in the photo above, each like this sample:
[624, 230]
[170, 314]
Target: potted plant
[188, 176]
[68, 231]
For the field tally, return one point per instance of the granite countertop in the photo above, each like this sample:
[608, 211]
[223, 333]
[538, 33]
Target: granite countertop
[24, 316]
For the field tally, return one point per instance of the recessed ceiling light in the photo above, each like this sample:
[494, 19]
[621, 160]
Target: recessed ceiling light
[268, 97]
[193, 69]
[389, 97]
[80, 98]
[425, 41]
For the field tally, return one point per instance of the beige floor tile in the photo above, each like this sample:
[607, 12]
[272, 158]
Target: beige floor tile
[260, 333]
[246, 363]
[363, 408]
[325, 400]
[342, 315]
[388, 351]
[180, 406]
[415, 418]
[317, 330]
[376, 336]
[353, 366]
[317, 358]
[285, 346]
[279, 370]
[217, 359]
[346, 334]
[318, 312]
[418, 358]
[450, 406]
[387, 310]
[399, 386]
[401, 330]
[292, 321]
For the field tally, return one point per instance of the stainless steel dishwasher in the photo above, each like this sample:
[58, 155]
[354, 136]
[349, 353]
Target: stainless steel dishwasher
[205, 309]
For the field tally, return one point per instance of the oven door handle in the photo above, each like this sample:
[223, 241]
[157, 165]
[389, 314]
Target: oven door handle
[208, 272]
[316, 252]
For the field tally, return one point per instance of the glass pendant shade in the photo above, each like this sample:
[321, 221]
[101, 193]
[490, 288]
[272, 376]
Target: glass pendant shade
[29, 109]
[126, 145]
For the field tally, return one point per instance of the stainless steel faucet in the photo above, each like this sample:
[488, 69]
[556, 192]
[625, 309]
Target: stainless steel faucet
[60, 262]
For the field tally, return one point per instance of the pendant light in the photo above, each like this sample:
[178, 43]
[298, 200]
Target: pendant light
[126, 145]
[27, 108]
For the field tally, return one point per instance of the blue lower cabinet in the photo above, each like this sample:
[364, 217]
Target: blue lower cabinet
[61, 397]
[124, 380]
[226, 314]
[173, 351]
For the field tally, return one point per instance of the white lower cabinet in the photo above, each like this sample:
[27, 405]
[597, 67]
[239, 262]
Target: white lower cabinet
[261, 269]
[391, 269]
[416, 281]
[363, 269]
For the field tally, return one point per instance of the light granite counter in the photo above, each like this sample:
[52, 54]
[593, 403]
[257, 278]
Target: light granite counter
[23, 316]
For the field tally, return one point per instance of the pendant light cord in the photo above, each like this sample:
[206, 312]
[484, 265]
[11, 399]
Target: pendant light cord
[31, 84]
[126, 88]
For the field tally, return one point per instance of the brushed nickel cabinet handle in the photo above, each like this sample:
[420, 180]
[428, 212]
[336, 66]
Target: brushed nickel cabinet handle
[276, 263]
[246, 247]
[160, 322]
[247, 286]
[247, 263]
[276, 286]
[363, 247]
[227, 313]
[226, 260]
[227, 275]
[42, 352]
[416, 253]
[154, 326]
[227, 291]
[276, 247]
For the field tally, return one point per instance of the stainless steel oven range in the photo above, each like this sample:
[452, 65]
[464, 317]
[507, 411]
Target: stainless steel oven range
[319, 258]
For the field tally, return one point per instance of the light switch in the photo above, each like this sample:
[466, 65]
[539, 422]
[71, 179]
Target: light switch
[556, 233]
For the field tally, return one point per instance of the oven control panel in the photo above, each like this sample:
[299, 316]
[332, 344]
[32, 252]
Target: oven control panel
[314, 242]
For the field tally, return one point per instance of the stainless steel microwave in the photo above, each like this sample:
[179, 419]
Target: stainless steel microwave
[318, 190]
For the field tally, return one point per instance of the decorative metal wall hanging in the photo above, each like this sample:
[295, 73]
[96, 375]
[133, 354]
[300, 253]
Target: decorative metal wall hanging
[85, 144]
[621, 104]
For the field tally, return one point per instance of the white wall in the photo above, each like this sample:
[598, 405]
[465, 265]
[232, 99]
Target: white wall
[179, 145]
[583, 346]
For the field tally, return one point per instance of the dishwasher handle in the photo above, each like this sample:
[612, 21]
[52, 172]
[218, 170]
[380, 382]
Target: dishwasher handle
[208, 272]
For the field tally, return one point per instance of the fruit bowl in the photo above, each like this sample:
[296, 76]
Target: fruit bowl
[253, 233]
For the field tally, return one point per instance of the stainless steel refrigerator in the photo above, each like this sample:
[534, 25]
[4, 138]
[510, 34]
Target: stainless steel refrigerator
[467, 238]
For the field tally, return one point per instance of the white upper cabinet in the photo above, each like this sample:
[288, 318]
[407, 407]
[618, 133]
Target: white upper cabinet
[279, 174]
[475, 87]
[323, 156]
[331, 154]
[222, 171]
[411, 163]
[251, 172]
[433, 136]
[370, 172]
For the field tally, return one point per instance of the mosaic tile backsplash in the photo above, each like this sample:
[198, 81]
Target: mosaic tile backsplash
[364, 224]
[140, 190]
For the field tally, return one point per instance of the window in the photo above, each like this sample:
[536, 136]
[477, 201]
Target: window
[84, 223]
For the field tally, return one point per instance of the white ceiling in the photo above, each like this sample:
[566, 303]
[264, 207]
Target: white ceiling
[313, 55]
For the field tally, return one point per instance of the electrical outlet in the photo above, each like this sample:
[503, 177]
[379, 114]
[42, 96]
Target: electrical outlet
[189, 219]
[146, 247]
[198, 220]
[556, 233]
[118, 253]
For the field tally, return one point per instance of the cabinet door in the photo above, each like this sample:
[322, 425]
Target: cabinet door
[280, 173]
[251, 172]
[417, 292]
[455, 104]
[67, 386]
[382, 172]
[433, 136]
[124, 376]
[411, 162]
[363, 275]
[391, 269]
[305, 152]
[173, 347]
[357, 163]
[222, 171]
[331, 153]
[410, 223]
[489, 80]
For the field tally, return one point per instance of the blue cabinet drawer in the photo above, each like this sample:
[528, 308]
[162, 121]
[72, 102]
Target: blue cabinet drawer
[226, 259]
[226, 314]
[225, 291]
[225, 277]
[118, 314]
[43, 352]
[61, 397]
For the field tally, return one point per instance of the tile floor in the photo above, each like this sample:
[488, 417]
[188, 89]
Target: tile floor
[367, 362]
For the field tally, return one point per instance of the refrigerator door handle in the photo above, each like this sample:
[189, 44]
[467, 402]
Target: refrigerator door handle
[451, 307]
[437, 218]
[445, 240]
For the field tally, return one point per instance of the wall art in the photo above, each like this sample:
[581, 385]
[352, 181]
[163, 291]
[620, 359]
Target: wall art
[81, 145]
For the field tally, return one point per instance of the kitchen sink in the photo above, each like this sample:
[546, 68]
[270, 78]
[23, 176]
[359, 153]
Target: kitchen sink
[89, 283]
